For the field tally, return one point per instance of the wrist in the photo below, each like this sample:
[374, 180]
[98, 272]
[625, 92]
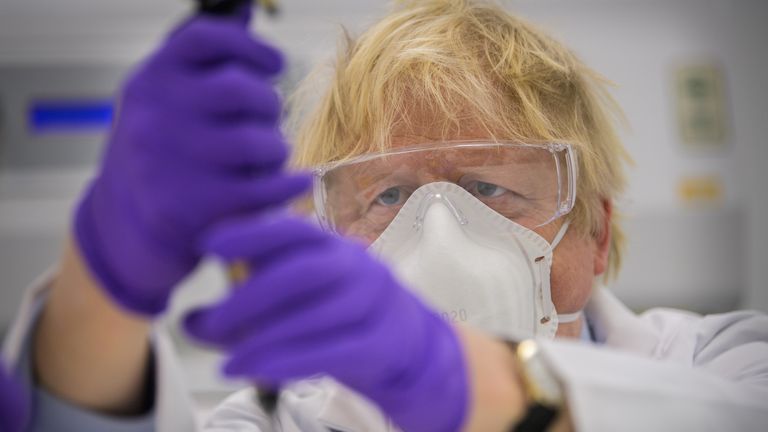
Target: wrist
[93, 256]
[86, 350]
[497, 396]
[128, 265]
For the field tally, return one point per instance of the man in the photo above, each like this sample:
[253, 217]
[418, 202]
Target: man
[467, 150]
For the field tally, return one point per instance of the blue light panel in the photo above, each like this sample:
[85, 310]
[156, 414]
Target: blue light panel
[69, 115]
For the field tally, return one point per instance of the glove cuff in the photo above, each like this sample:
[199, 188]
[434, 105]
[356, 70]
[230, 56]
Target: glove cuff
[91, 246]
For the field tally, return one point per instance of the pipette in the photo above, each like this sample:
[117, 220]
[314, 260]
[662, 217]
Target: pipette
[238, 272]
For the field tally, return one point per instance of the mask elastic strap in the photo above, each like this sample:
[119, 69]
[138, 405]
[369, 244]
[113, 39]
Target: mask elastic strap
[548, 299]
[569, 317]
[560, 234]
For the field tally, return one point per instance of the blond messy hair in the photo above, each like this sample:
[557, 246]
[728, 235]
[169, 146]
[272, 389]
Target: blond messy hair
[449, 63]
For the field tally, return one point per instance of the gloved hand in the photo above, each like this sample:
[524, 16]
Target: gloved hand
[320, 304]
[196, 140]
[13, 404]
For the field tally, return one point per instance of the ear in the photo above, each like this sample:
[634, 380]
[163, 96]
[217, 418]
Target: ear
[603, 240]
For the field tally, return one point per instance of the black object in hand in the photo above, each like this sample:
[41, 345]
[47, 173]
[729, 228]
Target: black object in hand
[221, 7]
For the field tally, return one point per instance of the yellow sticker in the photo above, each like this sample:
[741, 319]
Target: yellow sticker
[701, 190]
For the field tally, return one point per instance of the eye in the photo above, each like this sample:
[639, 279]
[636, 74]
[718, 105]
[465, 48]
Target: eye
[486, 190]
[390, 197]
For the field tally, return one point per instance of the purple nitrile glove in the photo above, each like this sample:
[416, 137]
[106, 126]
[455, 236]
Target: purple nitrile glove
[196, 140]
[320, 304]
[13, 403]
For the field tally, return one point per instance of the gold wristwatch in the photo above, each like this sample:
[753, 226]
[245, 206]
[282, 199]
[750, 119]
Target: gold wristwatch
[543, 388]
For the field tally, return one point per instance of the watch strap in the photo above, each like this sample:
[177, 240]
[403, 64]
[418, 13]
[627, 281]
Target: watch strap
[538, 418]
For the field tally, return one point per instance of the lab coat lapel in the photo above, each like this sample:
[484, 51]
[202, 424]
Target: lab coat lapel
[618, 327]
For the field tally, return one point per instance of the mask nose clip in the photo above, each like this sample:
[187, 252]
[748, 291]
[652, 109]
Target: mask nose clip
[443, 199]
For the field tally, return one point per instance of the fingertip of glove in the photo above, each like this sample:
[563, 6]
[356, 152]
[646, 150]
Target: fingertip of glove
[280, 189]
[276, 61]
[236, 367]
[302, 180]
[231, 368]
[194, 324]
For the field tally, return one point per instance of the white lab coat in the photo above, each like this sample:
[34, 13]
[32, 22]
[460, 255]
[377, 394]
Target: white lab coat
[665, 370]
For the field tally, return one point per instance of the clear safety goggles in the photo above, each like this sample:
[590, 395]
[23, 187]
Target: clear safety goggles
[530, 184]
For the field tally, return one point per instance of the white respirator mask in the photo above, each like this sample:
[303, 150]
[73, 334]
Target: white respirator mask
[472, 264]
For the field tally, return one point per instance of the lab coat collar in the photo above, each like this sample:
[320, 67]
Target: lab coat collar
[616, 326]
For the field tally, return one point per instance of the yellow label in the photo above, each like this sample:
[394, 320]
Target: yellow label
[701, 190]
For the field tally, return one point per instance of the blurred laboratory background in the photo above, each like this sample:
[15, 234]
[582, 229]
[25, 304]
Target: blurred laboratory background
[690, 75]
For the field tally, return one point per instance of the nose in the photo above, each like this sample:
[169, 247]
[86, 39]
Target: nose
[438, 207]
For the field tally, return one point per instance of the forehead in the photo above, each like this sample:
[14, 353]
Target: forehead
[427, 132]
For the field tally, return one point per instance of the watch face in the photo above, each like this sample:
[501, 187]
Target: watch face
[542, 384]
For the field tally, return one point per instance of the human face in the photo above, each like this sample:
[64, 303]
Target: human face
[577, 260]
